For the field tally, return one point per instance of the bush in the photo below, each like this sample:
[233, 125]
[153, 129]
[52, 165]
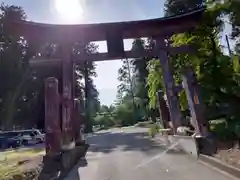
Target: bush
[153, 130]
[234, 127]
[222, 129]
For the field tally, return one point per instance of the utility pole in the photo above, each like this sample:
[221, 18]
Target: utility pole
[228, 45]
[1, 37]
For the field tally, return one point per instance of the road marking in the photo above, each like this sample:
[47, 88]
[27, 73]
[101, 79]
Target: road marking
[144, 163]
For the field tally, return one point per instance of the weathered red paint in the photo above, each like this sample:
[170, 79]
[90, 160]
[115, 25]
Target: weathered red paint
[52, 116]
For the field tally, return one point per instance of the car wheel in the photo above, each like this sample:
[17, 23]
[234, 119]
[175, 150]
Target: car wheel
[4, 146]
[14, 146]
[25, 142]
[39, 141]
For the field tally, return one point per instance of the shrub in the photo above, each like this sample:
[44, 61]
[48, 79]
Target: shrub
[222, 129]
[153, 130]
[234, 127]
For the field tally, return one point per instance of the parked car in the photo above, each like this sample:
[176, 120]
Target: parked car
[31, 136]
[9, 140]
[40, 137]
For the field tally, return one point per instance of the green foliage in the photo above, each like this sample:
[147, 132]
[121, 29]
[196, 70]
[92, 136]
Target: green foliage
[236, 66]
[224, 129]
[217, 74]
[120, 115]
[16, 98]
[234, 128]
[106, 117]
[104, 121]
[208, 61]
[219, 128]
[175, 7]
[125, 114]
[154, 81]
[133, 89]
[153, 130]
[22, 93]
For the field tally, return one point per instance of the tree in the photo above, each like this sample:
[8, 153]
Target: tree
[124, 76]
[176, 7]
[14, 70]
[234, 15]
[22, 93]
[140, 75]
[125, 95]
[132, 76]
[207, 61]
[84, 77]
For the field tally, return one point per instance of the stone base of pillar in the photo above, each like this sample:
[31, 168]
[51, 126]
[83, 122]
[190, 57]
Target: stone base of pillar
[80, 143]
[51, 167]
[167, 142]
[57, 166]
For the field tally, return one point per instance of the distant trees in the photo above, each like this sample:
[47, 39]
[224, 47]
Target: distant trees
[22, 87]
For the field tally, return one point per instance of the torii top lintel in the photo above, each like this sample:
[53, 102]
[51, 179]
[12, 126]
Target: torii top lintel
[99, 32]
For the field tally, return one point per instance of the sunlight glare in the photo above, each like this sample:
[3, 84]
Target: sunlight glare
[69, 9]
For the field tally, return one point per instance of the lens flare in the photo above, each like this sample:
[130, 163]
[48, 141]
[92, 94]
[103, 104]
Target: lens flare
[69, 9]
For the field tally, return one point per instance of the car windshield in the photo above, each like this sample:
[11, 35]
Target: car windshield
[25, 133]
[36, 132]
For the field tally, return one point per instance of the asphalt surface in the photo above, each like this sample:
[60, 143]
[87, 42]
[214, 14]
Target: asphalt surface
[128, 153]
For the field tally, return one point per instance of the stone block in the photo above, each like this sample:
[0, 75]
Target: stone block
[187, 144]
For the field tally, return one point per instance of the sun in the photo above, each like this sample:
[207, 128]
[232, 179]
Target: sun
[69, 9]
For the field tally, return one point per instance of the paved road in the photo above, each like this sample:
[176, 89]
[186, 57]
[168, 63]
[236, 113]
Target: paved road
[125, 154]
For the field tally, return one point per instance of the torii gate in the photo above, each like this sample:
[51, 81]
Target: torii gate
[113, 33]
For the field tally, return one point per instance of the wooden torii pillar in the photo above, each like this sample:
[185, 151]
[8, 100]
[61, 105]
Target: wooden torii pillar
[67, 91]
[169, 83]
[52, 116]
[195, 103]
[163, 109]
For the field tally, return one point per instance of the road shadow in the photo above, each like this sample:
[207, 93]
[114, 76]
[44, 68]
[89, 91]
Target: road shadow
[74, 173]
[136, 141]
[107, 142]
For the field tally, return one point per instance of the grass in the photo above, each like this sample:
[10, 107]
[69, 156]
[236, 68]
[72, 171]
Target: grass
[8, 170]
[20, 154]
[9, 163]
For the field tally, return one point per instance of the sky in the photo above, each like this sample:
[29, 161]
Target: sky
[95, 11]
